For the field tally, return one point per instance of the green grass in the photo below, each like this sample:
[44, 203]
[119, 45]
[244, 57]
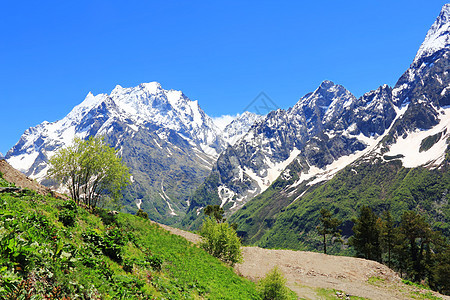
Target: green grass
[103, 257]
[326, 294]
[420, 286]
[423, 292]
[376, 280]
[425, 295]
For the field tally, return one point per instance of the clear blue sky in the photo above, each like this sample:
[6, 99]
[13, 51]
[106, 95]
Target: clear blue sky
[222, 53]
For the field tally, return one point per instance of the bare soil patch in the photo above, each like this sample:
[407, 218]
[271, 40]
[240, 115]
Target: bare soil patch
[20, 180]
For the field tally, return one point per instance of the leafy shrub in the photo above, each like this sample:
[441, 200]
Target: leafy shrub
[127, 265]
[70, 205]
[67, 217]
[107, 219]
[221, 241]
[93, 238]
[113, 242]
[273, 286]
[110, 244]
[142, 214]
[155, 262]
[88, 256]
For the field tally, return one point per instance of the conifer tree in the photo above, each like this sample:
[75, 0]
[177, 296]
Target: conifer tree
[417, 233]
[387, 235]
[216, 212]
[366, 238]
[328, 225]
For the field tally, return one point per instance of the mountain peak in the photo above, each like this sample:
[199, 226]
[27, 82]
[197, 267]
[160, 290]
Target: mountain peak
[152, 87]
[438, 36]
[326, 84]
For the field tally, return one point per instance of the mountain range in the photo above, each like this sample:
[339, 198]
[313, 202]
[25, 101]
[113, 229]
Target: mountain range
[272, 173]
[275, 179]
[166, 139]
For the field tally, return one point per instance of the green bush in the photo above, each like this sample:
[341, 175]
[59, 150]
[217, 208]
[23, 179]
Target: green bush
[114, 240]
[110, 244]
[273, 286]
[67, 217]
[70, 205]
[107, 219]
[142, 214]
[155, 262]
[221, 241]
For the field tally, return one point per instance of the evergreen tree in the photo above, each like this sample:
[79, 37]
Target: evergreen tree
[414, 235]
[387, 235]
[142, 214]
[366, 238]
[216, 212]
[328, 225]
[440, 273]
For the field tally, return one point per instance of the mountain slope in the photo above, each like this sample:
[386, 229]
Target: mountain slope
[323, 127]
[331, 131]
[102, 256]
[239, 126]
[166, 139]
[405, 168]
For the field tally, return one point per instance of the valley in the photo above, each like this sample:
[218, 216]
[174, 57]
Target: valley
[274, 176]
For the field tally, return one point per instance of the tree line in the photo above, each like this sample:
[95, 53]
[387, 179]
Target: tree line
[410, 246]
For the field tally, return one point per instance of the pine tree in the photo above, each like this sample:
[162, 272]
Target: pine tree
[440, 273]
[216, 212]
[328, 225]
[366, 238]
[417, 233]
[387, 235]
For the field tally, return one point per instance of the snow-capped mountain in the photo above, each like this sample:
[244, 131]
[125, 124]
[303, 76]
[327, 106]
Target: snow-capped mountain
[437, 37]
[134, 107]
[328, 129]
[165, 138]
[313, 129]
[403, 166]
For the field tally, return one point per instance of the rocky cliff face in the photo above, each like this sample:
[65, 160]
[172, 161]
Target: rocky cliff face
[320, 128]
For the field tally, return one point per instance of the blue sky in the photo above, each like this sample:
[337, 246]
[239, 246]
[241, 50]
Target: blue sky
[222, 53]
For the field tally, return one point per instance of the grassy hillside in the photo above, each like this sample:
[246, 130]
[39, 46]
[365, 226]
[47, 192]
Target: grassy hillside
[100, 256]
[284, 217]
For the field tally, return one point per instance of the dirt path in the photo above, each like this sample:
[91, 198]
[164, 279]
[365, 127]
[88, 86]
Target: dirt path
[306, 272]
[192, 237]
